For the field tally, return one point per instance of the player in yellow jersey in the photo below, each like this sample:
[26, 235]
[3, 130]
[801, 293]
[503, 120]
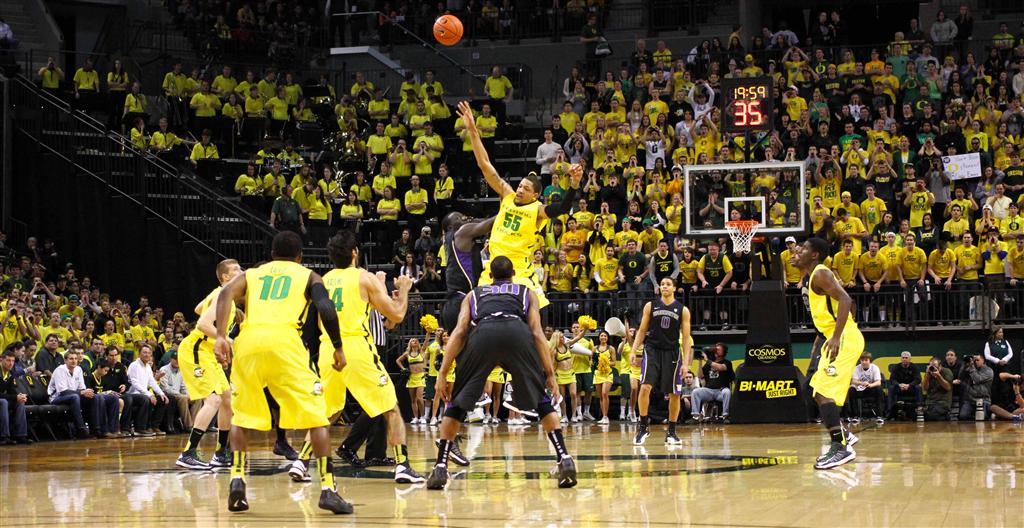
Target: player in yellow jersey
[830, 309]
[268, 353]
[520, 214]
[354, 292]
[205, 379]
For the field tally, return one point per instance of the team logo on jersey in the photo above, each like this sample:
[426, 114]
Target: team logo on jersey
[198, 372]
[383, 381]
[318, 389]
[830, 371]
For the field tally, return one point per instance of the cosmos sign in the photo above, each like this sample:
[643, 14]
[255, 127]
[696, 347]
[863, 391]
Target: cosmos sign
[768, 354]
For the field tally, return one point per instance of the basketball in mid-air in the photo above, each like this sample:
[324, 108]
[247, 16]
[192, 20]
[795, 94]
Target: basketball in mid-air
[448, 30]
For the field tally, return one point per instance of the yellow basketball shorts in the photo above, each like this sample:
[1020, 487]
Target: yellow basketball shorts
[364, 376]
[275, 359]
[200, 371]
[832, 379]
[523, 276]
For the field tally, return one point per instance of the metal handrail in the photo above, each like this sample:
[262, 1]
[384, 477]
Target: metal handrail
[200, 213]
[937, 309]
[422, 42]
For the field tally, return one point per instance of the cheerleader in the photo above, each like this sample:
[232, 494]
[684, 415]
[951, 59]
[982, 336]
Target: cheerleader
[603, 376]
[564, 374]
[414, 360]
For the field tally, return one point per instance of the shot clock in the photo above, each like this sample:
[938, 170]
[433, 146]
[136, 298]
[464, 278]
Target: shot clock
[747, 105]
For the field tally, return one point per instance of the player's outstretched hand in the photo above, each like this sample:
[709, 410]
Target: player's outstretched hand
[441, 388]
[466, 113]
[382, 277]
[339, 360]
[403, 283]
[222, 349]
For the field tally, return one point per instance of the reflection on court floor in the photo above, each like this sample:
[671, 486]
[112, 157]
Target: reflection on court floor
[931, 474]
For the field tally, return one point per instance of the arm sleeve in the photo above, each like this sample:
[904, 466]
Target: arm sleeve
[1009, 352]
[328, 316]
[988, 354]
[558, 209]
[675, 266]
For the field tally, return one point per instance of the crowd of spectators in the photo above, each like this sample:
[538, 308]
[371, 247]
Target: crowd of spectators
[871, 124]
[110, 366]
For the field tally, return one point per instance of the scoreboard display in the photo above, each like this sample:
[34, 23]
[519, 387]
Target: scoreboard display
[747, 105]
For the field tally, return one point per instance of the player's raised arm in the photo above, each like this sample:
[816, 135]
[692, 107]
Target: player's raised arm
[827, 284]
[483, 160]
[641, 332]
[392, 309]
[468, 232]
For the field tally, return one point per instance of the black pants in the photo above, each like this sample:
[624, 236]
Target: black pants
[159, 414]
[136, 412]
[499, 342]
[372, 431]
[855, 402]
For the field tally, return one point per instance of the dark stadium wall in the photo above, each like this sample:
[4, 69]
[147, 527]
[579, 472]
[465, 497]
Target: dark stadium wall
[107, 236]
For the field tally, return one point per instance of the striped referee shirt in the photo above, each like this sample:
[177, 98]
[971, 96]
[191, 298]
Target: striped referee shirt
[377, 330]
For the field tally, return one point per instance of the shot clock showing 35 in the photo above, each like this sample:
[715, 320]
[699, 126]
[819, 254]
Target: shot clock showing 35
[747, 104]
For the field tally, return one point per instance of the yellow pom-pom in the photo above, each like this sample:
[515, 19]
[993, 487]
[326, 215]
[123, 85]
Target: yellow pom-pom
[428, 322]
[587, 322]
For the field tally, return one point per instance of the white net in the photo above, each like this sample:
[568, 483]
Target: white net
[742, 232]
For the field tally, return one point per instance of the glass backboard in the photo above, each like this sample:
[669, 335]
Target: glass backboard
[772, 193]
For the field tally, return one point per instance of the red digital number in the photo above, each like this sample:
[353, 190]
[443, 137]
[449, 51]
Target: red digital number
[747, 113]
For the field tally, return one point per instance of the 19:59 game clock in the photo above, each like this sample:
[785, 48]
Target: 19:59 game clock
[747, 105]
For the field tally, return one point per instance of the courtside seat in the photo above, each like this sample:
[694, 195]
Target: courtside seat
[905, 403]
[40, 412]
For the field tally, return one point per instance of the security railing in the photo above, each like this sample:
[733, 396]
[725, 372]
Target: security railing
[970, 305]
[188, 204]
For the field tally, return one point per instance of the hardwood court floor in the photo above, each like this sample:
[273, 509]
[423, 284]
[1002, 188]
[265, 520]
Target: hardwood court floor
[737, 475]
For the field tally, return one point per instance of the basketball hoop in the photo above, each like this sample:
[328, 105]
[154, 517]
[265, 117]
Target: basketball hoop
[741, 232]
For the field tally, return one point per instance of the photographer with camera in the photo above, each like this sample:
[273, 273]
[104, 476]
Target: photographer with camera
[938, 388]
[976, 378]
[716, 375]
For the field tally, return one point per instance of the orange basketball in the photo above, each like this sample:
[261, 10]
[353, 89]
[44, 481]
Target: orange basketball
[448, 30]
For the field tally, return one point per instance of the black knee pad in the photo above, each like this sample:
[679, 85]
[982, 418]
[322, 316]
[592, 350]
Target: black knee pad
[455, 413]
[545, 408]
